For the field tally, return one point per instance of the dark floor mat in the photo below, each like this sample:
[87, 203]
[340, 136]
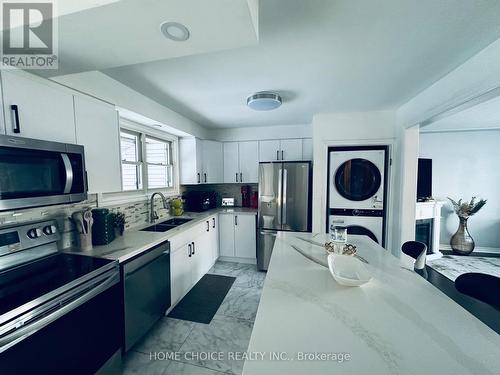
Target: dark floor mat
[204, 299]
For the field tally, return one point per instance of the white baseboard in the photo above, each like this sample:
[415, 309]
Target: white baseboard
[477, 249]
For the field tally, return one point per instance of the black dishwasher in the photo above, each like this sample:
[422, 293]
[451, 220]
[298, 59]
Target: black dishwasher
[146, 290]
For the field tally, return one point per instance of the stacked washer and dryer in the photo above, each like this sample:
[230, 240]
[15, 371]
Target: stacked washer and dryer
[357, 190]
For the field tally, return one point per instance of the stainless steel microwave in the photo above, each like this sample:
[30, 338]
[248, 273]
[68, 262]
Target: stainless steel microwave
[40, 173]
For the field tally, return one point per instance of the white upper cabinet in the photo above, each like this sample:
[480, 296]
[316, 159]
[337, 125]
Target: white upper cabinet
[291, 149]
[281, 150]
[213, 170]
[191, 168]
[98, 130]
[249, 162]
[231, 162]
[269, 150]
[307, 149]
[200, 161]
[44, 110]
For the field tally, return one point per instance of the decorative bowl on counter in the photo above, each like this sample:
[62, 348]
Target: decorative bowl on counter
[348, 270]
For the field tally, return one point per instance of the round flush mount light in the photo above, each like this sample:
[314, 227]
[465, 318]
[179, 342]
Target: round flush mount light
[264, 101]
[175, 31]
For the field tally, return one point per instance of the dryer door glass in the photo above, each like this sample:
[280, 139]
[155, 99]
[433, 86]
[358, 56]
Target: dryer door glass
[357, 179]
[356, 229]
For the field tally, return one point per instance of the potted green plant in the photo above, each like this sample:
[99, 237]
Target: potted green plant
[461, 242]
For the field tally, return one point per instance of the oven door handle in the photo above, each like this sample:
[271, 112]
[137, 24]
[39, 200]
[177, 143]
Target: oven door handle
[23, 332]
[69, 173]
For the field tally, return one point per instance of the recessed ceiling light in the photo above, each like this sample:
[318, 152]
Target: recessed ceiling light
[175, 31]
[264, 101]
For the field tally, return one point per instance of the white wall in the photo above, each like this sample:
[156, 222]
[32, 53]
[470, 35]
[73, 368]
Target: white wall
[466, 164]
[261, 133]
[106, 88]
[331, 129]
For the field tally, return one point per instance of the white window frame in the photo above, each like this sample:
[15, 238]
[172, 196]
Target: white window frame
[139, 163]
[144, 193]
[146, 163]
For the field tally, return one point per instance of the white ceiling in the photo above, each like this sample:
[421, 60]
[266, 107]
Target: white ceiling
[321, 55]
[127, 32]
[481, 116]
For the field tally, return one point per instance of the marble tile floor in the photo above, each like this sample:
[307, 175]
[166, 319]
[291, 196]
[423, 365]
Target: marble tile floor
[452, 266]
[228, 332]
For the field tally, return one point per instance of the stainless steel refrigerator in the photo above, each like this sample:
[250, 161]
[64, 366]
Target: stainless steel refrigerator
[284, 203]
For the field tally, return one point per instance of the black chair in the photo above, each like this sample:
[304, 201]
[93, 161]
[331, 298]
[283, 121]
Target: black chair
[418, 251]
[485, 288]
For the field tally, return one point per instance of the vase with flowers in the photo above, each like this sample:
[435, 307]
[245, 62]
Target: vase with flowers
[461, 242]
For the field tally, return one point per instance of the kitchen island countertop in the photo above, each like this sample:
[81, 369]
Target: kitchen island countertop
[398, 323]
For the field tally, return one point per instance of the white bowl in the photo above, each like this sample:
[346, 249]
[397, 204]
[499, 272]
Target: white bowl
[347, 270]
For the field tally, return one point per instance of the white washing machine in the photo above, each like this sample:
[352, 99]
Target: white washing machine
[371, 226]
[357, 178]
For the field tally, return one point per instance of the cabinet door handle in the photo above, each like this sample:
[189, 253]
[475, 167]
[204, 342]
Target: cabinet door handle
[235, 220]
[189, 250]
[282, 155]
[241, 177]
[205, 176]
[208, 226]
[198, 177]
[193, 248]
[277, 155]
[213, 225]
[236, 176]
[17, 127]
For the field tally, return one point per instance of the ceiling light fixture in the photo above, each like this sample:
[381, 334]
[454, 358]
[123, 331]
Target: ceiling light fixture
[175, 31]
[264, 101]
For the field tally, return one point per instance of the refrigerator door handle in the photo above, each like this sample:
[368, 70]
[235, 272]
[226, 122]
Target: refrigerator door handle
[280, 194]
[274, 234]
[285, 183]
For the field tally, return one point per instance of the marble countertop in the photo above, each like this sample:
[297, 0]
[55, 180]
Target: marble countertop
[134, 241]
[398, 323]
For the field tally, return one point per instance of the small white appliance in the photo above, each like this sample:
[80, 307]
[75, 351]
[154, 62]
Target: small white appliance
[356, 178]
[227, 202]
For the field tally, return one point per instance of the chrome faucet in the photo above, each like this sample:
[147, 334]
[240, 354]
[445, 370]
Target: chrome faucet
[153, 215]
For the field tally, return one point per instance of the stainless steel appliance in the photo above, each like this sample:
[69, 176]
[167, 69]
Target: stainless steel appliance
[65, 310]
[39, 173]
[146, 291]
[284, 203]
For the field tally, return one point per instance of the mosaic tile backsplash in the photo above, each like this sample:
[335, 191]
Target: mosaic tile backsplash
[136, 214]
[223, 190]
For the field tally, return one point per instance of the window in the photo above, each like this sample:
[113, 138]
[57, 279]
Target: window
[147, 162]
[131, 162]
[159, 163]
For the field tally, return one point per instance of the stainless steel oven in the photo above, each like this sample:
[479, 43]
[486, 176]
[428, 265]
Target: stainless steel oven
[39, 173]
[59, 313]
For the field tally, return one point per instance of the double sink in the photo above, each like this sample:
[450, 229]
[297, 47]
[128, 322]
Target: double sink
[166, 225]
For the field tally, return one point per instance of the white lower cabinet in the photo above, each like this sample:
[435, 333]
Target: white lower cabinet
[180, 273]
[226, 235]
[237, 235]
[192, 256]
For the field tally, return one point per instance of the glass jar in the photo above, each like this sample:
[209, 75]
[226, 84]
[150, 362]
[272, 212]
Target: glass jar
[338, 233]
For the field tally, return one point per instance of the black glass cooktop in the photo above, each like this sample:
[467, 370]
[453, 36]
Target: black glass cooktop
[24, 283]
